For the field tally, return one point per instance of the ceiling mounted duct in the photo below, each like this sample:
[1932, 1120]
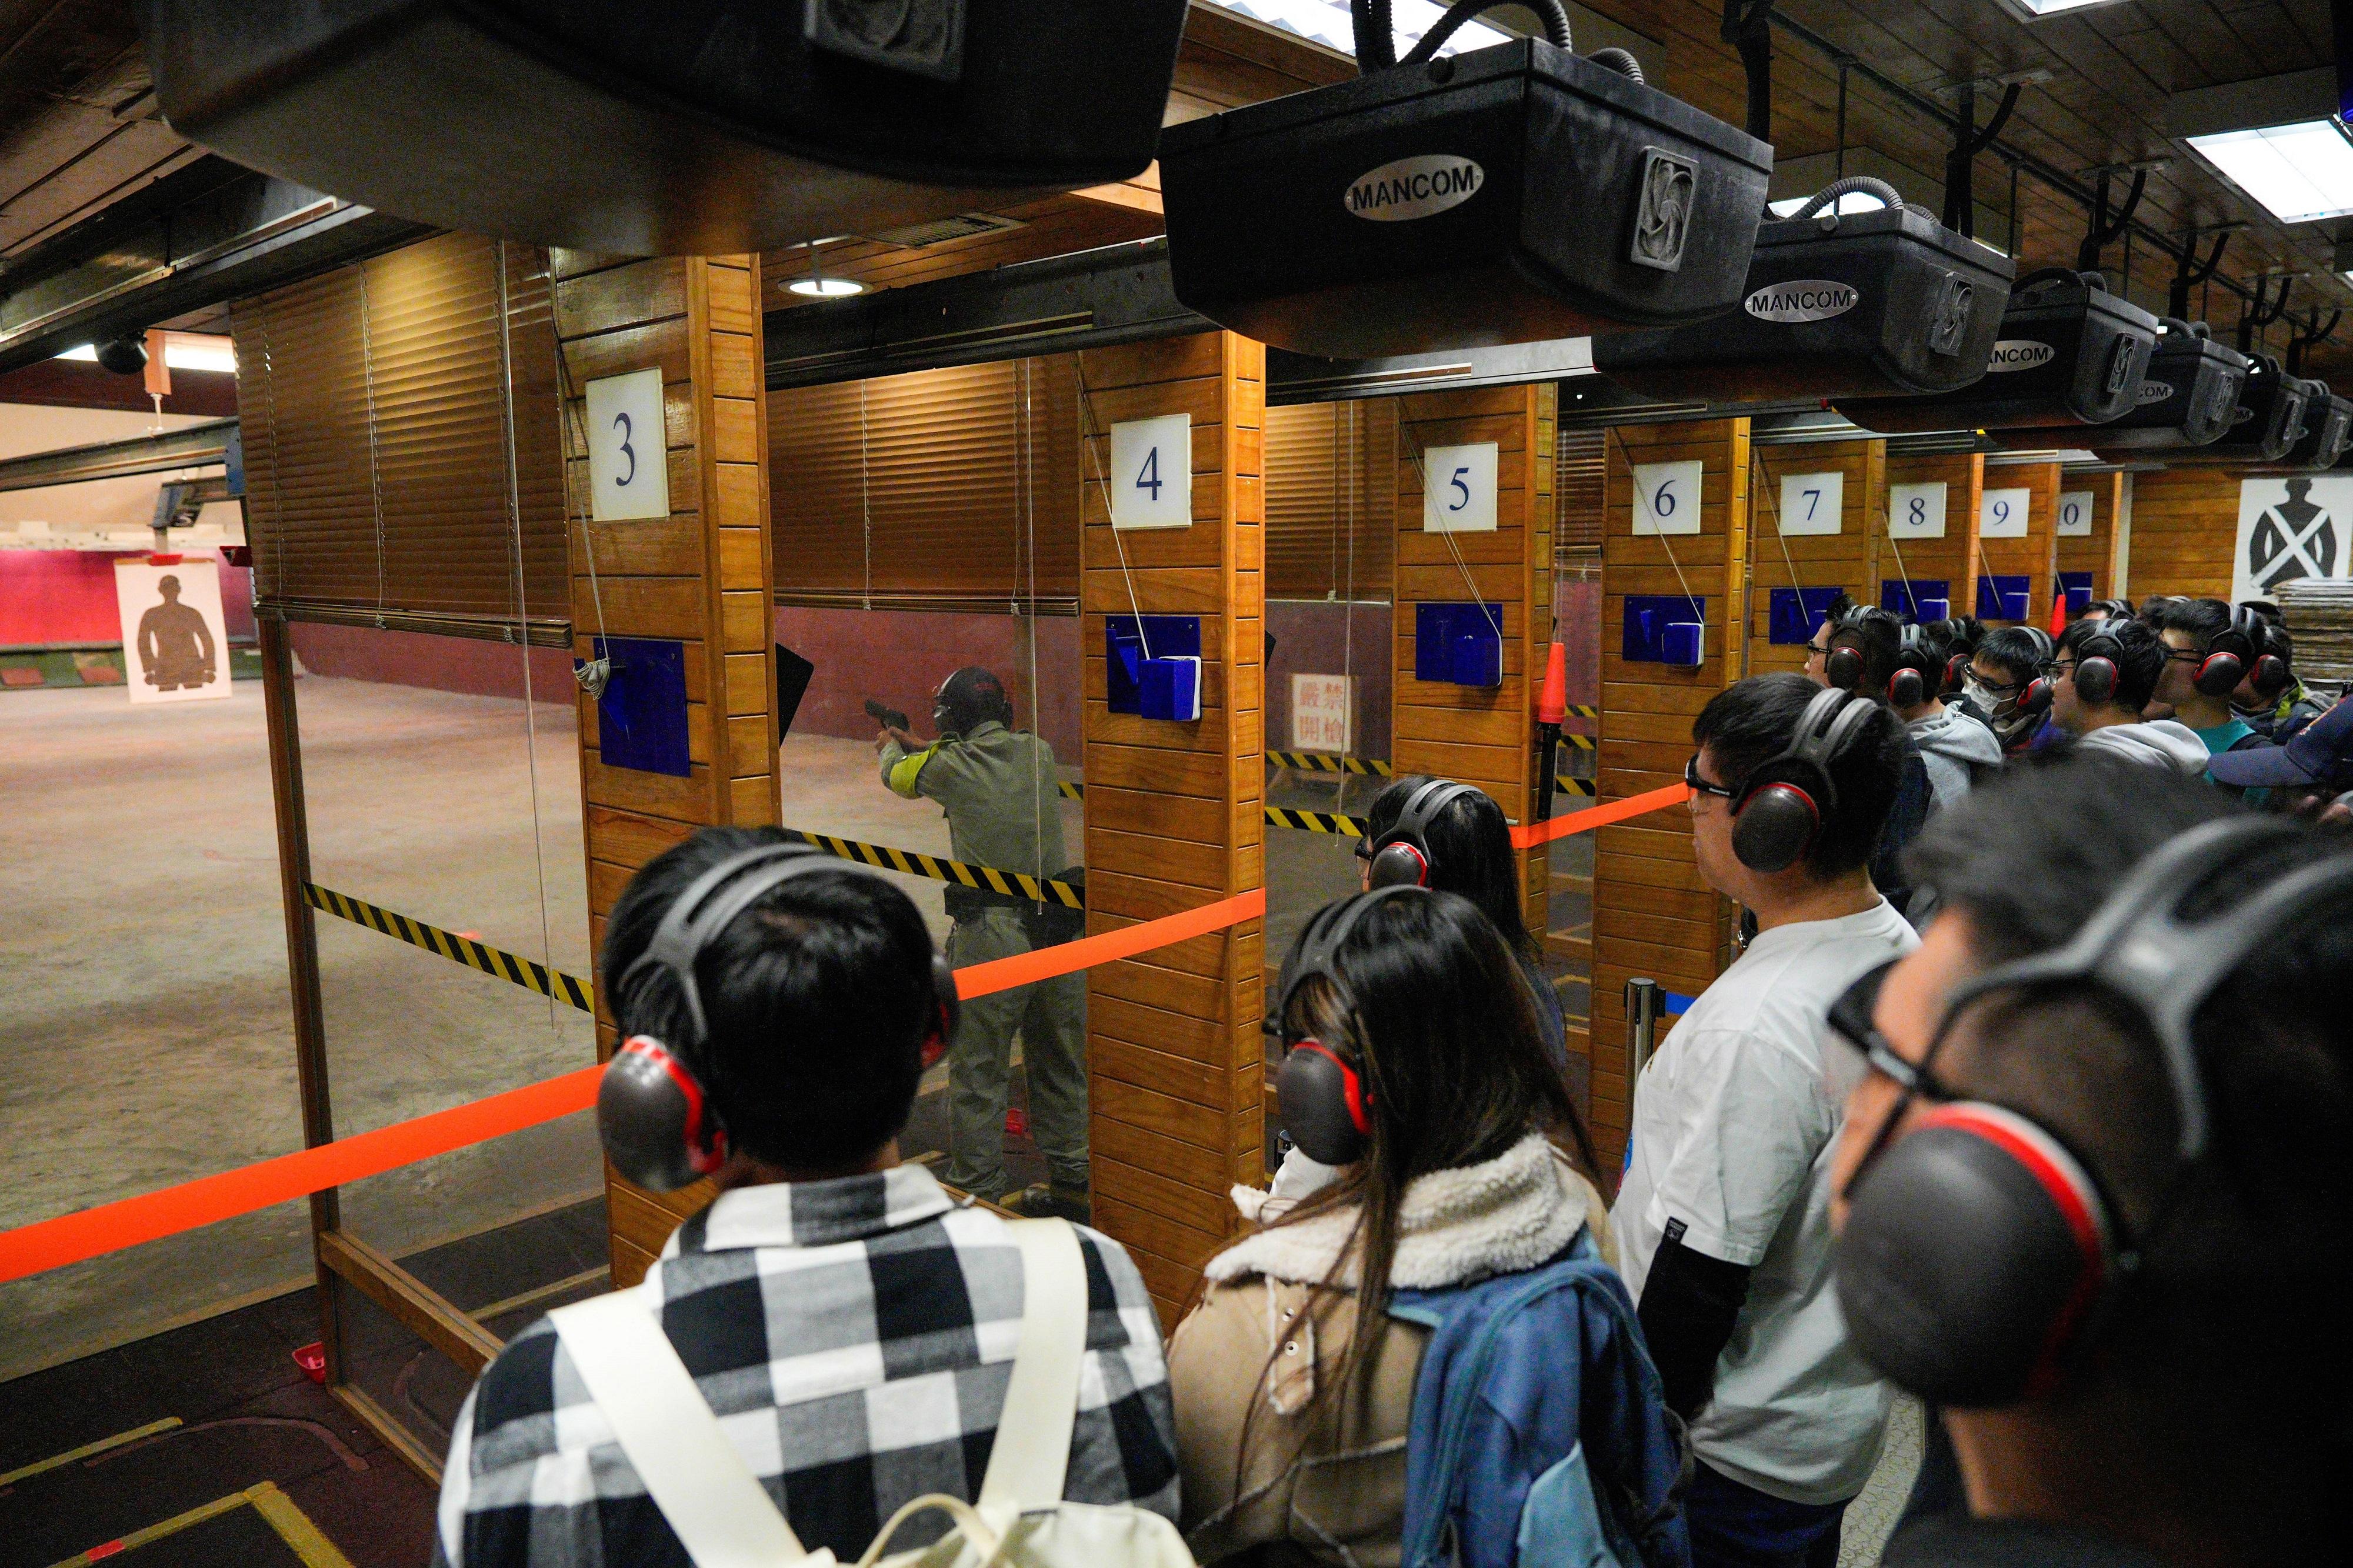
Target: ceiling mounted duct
[2268, 424]
[1508, 194]
[2069, 353]
[684, 127]
[1857, 304]
[2187, 399]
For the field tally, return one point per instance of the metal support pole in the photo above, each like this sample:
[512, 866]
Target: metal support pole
[1642, 998]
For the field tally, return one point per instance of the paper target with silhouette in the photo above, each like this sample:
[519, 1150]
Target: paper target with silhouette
[174, 641]
[2300, 526]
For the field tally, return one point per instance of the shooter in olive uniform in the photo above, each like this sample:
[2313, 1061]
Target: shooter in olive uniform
[1001, 795]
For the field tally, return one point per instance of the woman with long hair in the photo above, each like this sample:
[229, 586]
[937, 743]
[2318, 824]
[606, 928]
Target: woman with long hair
[1461, 1164]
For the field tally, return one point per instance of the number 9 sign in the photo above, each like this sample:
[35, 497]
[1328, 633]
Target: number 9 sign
[629, 468]
[2002, 514]
[1457, 491]
[1666, 497]
[1151, 477]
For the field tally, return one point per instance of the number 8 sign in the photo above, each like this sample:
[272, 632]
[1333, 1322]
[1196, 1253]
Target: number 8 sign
[1151, 477]
[1666, 497]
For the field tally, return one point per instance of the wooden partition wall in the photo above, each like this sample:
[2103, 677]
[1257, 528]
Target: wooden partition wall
[2031, 555]
[700, 576]
[1652, 915]
[1480, 735]
[2101, 551]
[1174, 821]
[1778, 559]
[2185, 527]
[1950, 559]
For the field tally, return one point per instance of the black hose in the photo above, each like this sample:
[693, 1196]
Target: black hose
[1554, 15]
[1853, 185]
[1376, 35]
[1621, 61]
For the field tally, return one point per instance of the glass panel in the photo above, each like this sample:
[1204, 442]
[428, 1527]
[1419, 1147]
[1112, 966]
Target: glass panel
[416, 1385]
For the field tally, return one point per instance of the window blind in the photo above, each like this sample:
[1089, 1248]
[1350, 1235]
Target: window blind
[1331, 500]
[1580, 470]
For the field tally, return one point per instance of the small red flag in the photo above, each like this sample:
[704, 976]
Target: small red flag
[2058, 608]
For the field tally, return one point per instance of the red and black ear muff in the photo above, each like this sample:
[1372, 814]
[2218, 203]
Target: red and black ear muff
[1843, 669]
[1774, 825]
[1907, 687]
[1401, 856]
[1975, 1249]
[2095, 669]
[1398, 864]
[2272, 676]
[1325, 1106]
[2219, 673]
[658, 1126]
[2035, 695]
[1953, 669]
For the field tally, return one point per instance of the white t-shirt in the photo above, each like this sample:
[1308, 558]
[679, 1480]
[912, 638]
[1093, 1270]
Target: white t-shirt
[1733, 1126]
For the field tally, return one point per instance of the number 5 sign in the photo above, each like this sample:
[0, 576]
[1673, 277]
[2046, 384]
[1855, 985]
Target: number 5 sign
[629, 468]
[1666, 497]
[1151, 478]
[1457, 491]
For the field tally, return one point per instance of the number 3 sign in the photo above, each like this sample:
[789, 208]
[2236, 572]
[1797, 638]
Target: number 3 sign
[1151, 477]
[629, 468]
[1457, 491]
[1666, 497]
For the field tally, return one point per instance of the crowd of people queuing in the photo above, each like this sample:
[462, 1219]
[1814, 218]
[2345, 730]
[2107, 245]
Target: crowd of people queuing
[2024, 1095]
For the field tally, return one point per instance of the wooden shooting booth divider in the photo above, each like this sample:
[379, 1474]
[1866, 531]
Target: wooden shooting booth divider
[1652, 915]
[700, 576]
[2185, 529]
[2100, 552]
[2030, 557]
[1480, 735]
[1951, 560]
[1176, 1063]
[1847, 559]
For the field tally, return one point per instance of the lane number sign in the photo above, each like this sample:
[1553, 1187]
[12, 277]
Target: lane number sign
[2074, 514]
[2003, 514]
[1457, 491]
[1916, 512]
[1151, 477]
[1811, 502]
[1666, 497]
[629, 465]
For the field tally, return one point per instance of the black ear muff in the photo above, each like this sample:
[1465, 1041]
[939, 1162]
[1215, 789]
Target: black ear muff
[1907, 687]
[1325, 1107]
[2219, 673]
[1773, 826]
[659, 1127]
[2096, 679]
[1974, 1249]
[2035, 695]
[1398, 865]
[1843, 669]
[2272, 677]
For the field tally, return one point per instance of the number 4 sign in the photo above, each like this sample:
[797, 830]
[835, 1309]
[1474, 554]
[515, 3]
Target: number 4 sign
[1458, 492]
[1151, 478]
[628, 466]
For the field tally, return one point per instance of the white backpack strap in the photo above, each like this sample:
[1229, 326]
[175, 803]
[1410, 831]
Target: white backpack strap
[714, 1503]
[1032, 1454]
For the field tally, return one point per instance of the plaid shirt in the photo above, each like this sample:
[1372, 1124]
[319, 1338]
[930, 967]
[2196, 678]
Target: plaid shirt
[854, 1338]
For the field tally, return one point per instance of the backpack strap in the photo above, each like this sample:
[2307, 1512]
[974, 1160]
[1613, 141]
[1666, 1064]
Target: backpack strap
[1030, 1459]
[715, 1505]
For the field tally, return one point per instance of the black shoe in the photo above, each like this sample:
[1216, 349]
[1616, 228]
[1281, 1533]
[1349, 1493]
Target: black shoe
[1042, 1200]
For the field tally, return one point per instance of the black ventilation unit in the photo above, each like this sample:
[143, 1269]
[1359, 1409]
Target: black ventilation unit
[2187, 399]
[2327, 429]
[2268, 424]
[1854, 304]
[1508, 194]
[687, 126]
[2069, 353]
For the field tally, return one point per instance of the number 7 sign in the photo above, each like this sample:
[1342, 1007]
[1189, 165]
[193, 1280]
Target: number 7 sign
[1458, 488]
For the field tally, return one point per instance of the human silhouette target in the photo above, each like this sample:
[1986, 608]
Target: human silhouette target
[2289, 528]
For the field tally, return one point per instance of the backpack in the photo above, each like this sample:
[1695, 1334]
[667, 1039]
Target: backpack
[725, 1518]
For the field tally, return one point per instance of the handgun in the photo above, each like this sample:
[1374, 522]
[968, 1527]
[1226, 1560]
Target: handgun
[889, 718]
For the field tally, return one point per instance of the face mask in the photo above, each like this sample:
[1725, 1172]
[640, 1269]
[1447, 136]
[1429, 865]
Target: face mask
[1976, 692]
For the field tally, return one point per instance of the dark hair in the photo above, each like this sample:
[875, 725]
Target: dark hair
[2015, 649]
[969, 699]
[818, 999]
[2203, 619]
[2139, 660]
[2225, 1353]
[1964, 631]
[1875, 634]
[1839, 609]
[1471, 854]
[1455, 1063]
[1751, 721]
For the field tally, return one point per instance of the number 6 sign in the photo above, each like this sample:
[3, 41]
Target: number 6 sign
[1458, 490]
[1666, 497]
[629, 466]
[1151, 477]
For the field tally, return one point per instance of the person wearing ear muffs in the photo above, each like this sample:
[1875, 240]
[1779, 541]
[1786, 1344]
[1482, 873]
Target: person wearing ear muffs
[2090, 1187]
[2102, 680]
[2209, 649]
[1723, 1218]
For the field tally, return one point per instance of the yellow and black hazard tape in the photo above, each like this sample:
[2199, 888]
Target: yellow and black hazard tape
[569, 989]
[1578, 742]
[1326, 762]
[939, 869]
[1573, 786]
[1071, 791]
[1315, 821]
[1579, 710]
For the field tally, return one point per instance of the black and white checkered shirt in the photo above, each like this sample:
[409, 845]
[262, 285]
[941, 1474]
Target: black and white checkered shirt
[855, 1339]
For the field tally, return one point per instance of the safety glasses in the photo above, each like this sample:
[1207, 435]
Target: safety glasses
[1851, 1022]
[1700, 787]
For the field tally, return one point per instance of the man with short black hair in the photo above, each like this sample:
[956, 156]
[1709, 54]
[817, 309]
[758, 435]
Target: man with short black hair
[1722, 1218]
[849, 1322]
[1865, 644]
[2195, 1414]
[2001, 672]
[2190, 628]
[2107, 718]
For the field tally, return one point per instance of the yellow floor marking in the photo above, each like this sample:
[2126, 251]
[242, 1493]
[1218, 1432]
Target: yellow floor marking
[172, 1526]
[294, 1528]
[86, 1449]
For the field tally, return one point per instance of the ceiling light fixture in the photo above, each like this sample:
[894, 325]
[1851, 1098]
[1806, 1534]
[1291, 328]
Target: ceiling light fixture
[817, 286]
[2035, 10]
[2278, 140]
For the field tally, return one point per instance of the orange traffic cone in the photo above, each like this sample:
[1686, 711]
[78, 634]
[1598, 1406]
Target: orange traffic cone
[1552, 702]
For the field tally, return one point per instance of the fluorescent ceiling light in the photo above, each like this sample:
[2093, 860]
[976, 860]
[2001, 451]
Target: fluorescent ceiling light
[1326, 22]
[2299, 172]
[2033, 10]
[1852, 202]
[826, 288]
[180, 352]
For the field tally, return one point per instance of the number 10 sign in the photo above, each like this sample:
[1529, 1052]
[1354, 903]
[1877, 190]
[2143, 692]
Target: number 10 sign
[1151, 477]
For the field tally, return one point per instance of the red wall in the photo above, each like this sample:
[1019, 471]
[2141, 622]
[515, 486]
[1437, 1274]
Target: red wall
[1313, 639]
[899, 658]
[68, 596]
[469, 665]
